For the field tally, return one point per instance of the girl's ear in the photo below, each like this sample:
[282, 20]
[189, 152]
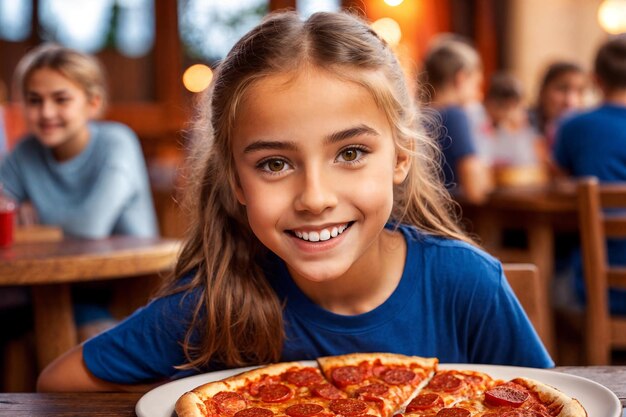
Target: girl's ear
[401, 169]
[95, 105]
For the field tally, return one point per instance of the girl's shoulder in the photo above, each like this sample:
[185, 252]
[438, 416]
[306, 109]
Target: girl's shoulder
[449, 255]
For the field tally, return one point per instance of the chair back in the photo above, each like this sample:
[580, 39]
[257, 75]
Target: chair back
[602, 331]
[525, 281]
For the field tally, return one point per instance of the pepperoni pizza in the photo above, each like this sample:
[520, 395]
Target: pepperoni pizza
[373, 385]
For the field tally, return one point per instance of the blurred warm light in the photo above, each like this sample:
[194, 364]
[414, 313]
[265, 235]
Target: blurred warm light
[612, 16]
[394, 3]
[388, 29]
[197, 77]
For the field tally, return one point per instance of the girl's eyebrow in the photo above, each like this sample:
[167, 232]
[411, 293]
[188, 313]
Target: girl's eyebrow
[350, 133]
[330, 139]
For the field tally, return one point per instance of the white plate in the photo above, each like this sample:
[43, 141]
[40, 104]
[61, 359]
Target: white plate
[597, 399]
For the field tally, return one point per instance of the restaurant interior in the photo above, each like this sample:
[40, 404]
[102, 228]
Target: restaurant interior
[159, 56]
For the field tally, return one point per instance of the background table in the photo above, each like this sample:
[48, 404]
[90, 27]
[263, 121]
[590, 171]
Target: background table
[50, 267]
[123, 404]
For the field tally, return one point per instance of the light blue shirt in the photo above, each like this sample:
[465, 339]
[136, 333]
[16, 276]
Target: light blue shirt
[102, 191]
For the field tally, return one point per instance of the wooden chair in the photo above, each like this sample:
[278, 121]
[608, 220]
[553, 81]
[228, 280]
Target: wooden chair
[602, 331]
[525, 281]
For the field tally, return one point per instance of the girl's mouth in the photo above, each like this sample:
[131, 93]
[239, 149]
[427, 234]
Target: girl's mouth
[320, 235]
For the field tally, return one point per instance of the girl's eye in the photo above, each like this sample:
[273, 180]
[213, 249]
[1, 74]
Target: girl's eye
[276, 165]
[349, 154]
[273, 166]
[352, 154]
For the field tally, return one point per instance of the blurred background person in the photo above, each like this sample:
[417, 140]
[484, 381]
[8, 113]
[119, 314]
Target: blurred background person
[594, 144]
[452, 75]
[561, 92]
[514, 144]
[87, 177]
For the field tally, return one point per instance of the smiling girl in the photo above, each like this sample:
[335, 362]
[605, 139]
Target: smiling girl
[87, 177]
[320, 227]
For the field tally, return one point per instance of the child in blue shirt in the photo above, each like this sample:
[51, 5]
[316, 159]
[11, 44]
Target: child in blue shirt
[593, 143]
[320, 227]
[453, 71]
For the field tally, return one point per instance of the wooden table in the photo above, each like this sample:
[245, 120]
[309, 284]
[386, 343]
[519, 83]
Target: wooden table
[123, 404]
[50, 267]
[541, 211]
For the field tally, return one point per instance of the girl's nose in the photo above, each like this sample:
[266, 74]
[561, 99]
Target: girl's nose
[47, 109]
[317, 193]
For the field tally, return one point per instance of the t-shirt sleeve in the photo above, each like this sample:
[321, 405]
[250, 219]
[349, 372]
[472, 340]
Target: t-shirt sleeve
[500, 332]
[459, 130]
[10, 177]
[146, 346]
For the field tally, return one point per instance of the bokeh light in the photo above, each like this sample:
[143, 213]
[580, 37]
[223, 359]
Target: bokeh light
[612, 16]
[394, 3]
[388, 29]
[197, 78]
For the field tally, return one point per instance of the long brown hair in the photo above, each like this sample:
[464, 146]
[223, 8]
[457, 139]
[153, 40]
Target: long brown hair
[239, 315]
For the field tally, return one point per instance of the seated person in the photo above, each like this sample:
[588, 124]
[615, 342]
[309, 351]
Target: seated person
[515, 147]
[87, 177]
[452, 69]
[594, 144]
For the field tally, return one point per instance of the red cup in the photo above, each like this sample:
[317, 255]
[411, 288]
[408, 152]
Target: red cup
[7, 220]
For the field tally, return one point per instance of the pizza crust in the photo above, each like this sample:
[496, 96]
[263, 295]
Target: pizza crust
[353, 359]
[190, 405]
[553, 398]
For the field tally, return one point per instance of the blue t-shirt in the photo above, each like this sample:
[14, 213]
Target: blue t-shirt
[594, 144]
[102, 191]
[455, 140]
[452, 302]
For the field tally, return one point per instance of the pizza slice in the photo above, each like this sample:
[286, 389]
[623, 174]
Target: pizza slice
[446, 389]
[384, 380]
[287, 389]
[520, 397]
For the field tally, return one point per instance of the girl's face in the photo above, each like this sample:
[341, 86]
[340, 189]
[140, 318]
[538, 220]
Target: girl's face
[57, 111]
[563, 94]
[316, 165]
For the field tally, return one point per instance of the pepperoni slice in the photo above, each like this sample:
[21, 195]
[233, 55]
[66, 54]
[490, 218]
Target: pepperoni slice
[347, 375]
[326, 391]
[303, 377]
[453, 412]
[424, 402]
[348, 407]
[229, 402]
[275, 393]
[373, 389]
[254, 412]
[505, 396]
[445, 382]
[398, 376]
[303, 410]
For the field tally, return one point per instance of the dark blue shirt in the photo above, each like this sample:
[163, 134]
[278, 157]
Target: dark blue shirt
[452, 302]
[594, 144]
[455, 140]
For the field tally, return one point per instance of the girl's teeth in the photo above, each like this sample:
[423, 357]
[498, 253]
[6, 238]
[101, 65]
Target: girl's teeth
[322, 235]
